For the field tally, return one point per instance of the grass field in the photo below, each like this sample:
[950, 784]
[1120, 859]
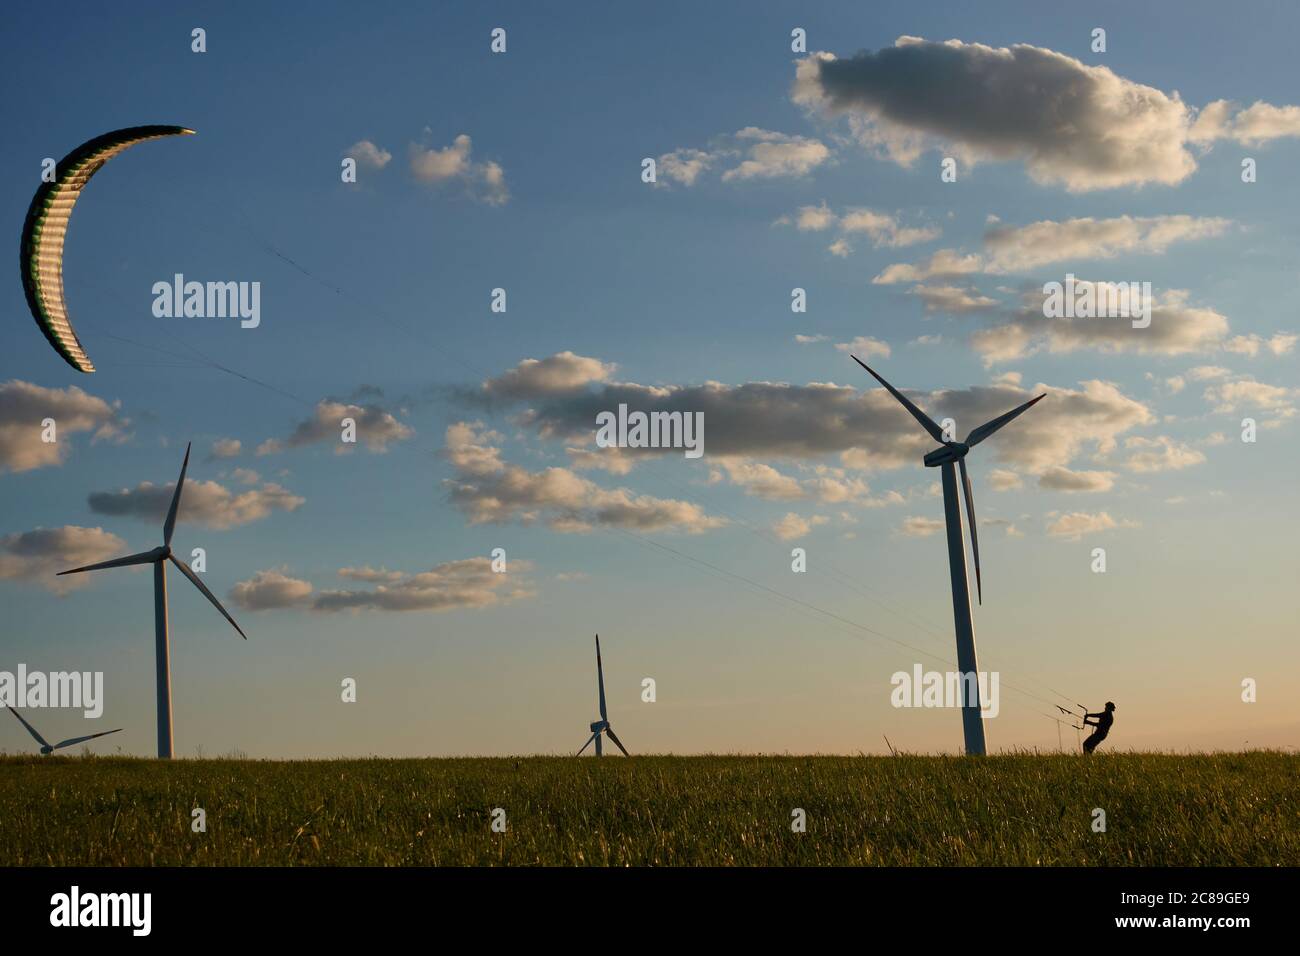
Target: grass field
[1227, 809]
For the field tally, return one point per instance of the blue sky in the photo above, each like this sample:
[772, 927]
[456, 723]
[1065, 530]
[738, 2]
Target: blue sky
[668, 286]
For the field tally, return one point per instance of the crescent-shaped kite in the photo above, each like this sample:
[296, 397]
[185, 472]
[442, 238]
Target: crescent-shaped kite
[41, 254]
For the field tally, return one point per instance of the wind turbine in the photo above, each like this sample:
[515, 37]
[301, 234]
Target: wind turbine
[602, 725]
[48, 748]
[948, 458]
[159, 557]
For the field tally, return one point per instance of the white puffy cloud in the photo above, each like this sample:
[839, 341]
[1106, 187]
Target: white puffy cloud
[455, 164]
[1161, 453]
[1259, 123]
[377, 428]
[793, 526]
[368, 155]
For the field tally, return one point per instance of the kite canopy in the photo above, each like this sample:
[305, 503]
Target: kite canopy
[41, 254]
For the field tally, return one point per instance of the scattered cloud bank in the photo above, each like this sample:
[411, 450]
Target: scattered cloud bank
[469, 583]
[488, 490]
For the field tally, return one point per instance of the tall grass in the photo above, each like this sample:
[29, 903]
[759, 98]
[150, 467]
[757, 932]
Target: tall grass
[1024, 809]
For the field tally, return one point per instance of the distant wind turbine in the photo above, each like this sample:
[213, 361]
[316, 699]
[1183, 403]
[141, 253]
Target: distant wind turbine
[48, 748]
[953, 453]
[602, 725]
[159, 557]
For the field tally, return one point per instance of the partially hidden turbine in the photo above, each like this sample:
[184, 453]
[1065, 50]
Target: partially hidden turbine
[159, 557]
[602, 726]
[48, 748]
[953, 453]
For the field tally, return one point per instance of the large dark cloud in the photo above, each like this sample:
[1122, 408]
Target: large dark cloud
[1078, 125]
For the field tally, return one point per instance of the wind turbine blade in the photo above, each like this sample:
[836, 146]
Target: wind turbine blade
[600, 678]
[974, 534]
[30, 729]
[617, 743]
[988, 428]
[926, 421]
[194, 578]
[144, 557]
[170, 525]
[76, 740]
[587, 744]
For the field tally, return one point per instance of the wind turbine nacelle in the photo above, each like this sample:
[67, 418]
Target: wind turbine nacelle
[46, 751]
[946, 455]
[598, 726]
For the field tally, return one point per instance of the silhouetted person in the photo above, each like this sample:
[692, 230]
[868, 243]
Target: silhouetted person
[1102, 722]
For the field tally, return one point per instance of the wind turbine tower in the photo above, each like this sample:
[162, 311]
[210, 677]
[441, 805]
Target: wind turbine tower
[948, 458]
[159, 557]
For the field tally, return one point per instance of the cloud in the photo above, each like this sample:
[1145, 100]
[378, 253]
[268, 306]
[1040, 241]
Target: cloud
[469, 583]
[750, 153]
[1063, 479]
[685, 166]
[203, 503]
[917, 527]
[1161, 453]
[1013, 249]
[1077, 524]
[824, 484]
[38, 556]
[952, 299]
[1257, 124]
[792, 526]
[883, 229]
[270, 590]
[454, 585]
[861, 423]
[1247, 394]
[864, 347]
[554, 375]
[24, 406]
[368, 155]
[225, 448]
[945, 263]
[811, 339]
[487, 490]
[455, 164]
[377, 428]
[1176, 328]
[1080, 126]
[1280, 343]
[1001, 479]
